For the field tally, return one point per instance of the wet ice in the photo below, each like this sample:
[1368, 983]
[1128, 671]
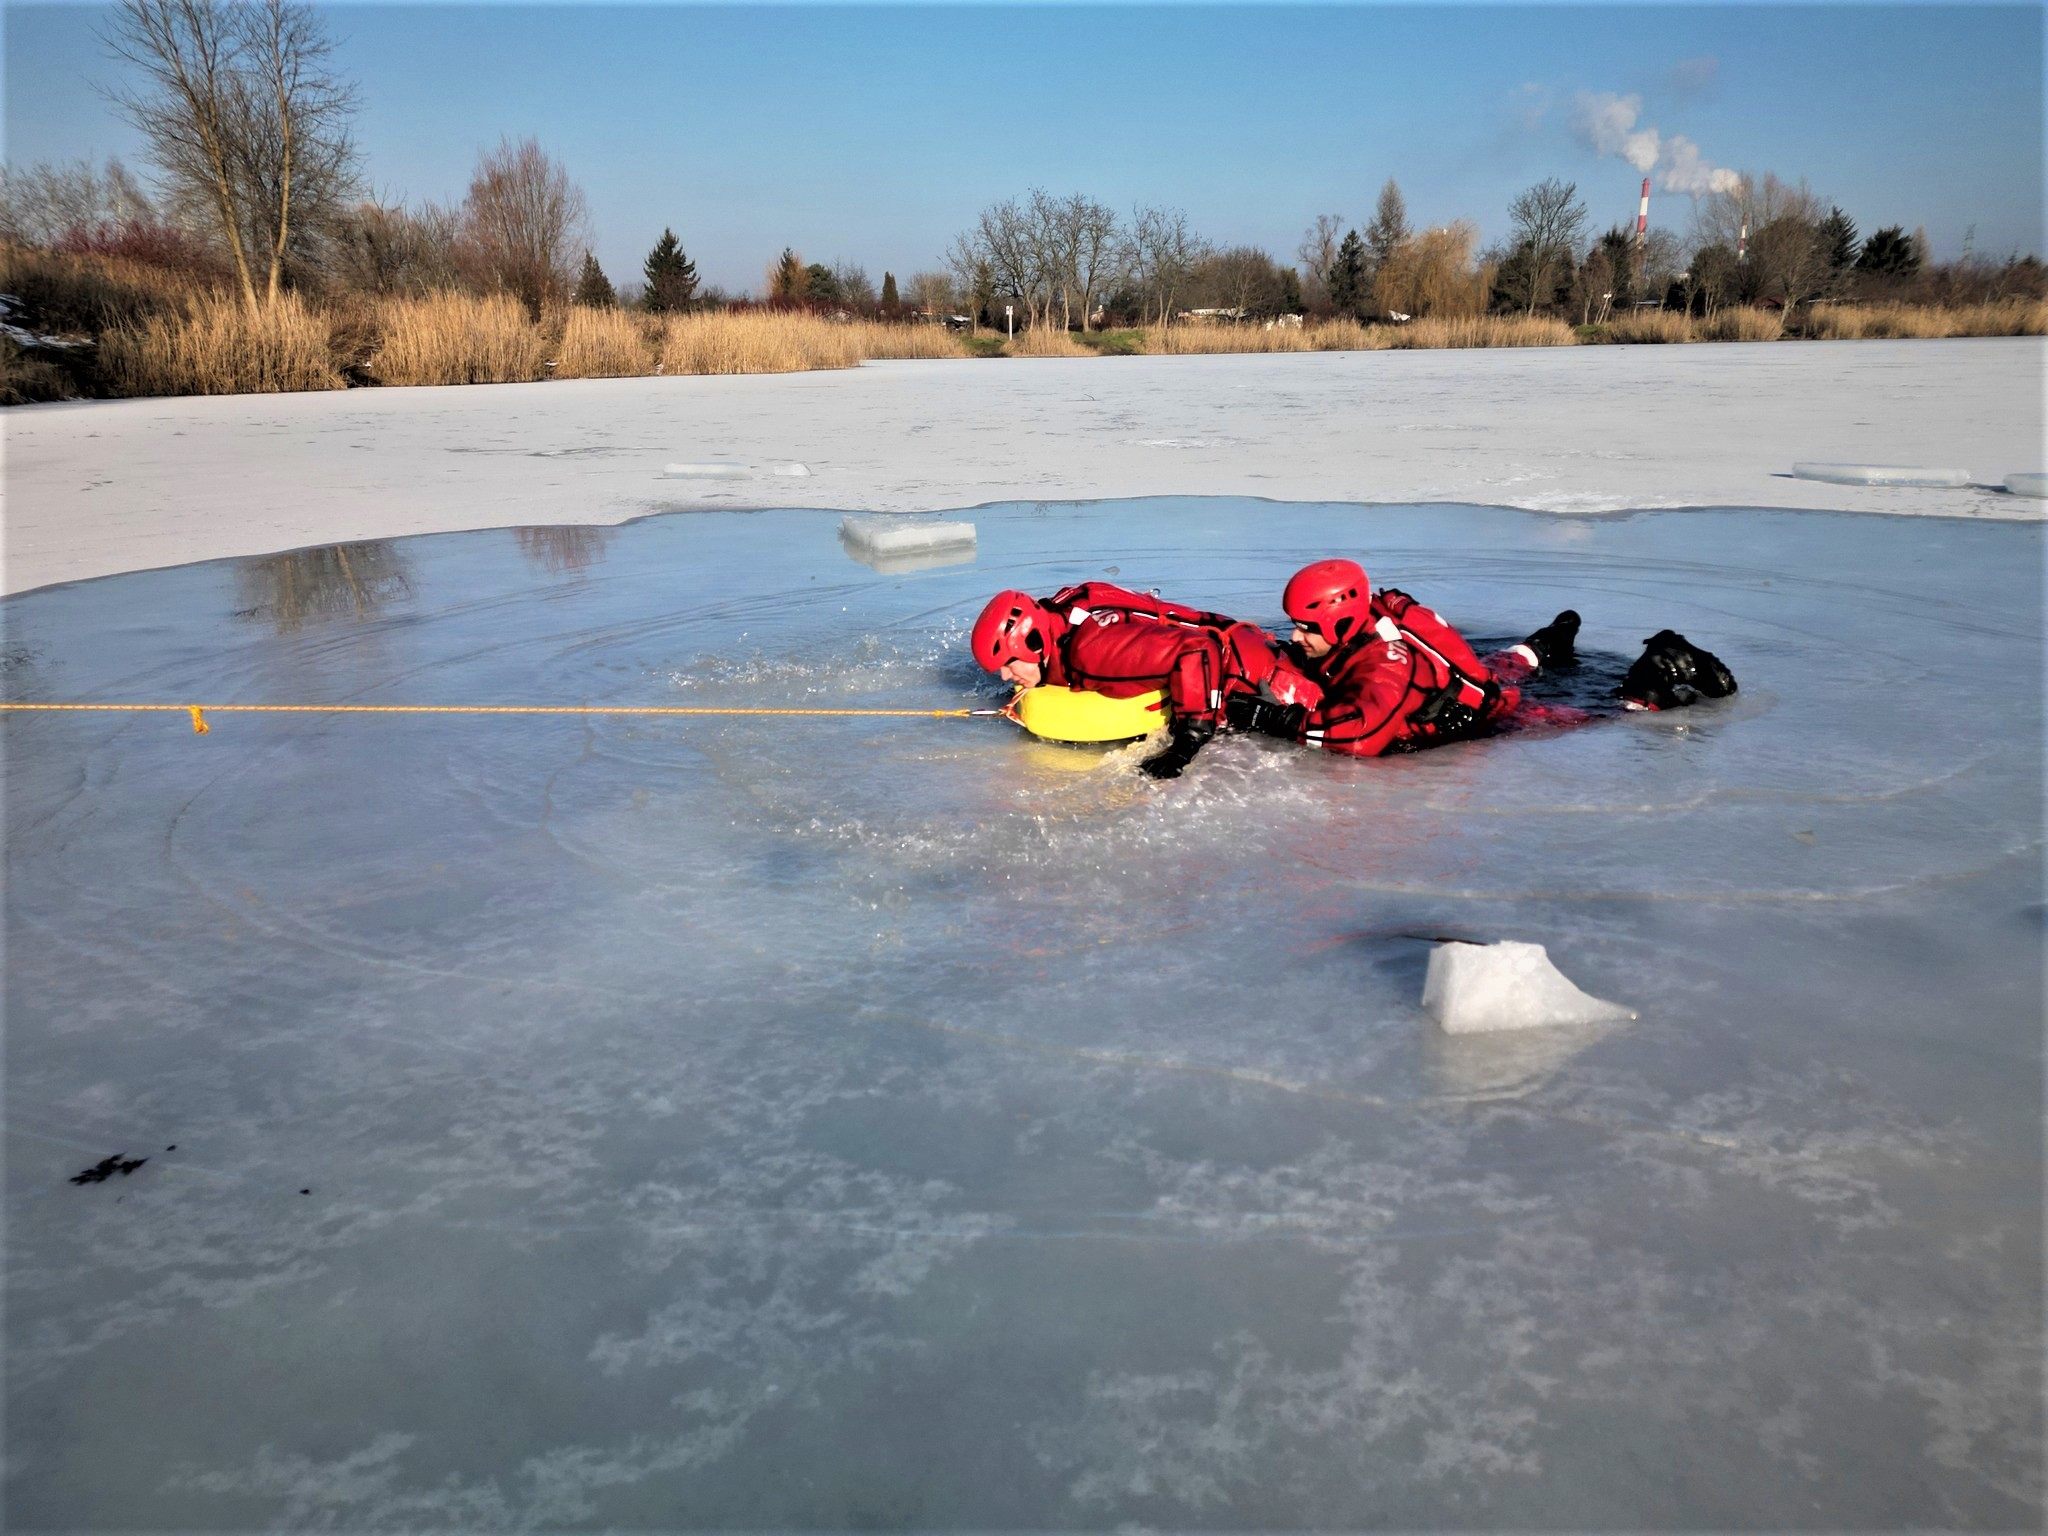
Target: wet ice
[749, 1121]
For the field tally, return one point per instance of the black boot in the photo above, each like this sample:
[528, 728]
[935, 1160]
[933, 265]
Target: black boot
[1672, 673]
[1553, 642]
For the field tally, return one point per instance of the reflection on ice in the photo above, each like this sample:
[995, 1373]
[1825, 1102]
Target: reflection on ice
[834, 1121]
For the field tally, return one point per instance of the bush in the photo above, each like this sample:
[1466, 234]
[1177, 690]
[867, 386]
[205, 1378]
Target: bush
[26, 377]
[64, 295]
[219, 347]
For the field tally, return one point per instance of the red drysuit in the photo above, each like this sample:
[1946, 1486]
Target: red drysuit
[1246, 661]
[1407, 682]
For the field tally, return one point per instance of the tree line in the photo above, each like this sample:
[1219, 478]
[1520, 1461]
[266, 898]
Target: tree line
[260, 190]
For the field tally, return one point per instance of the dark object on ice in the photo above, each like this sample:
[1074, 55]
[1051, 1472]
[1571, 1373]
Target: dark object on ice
[1672, 673]
[305, 1191]
[107, 1167]
[1248, 713]
[1553, 642]
[1183, 740]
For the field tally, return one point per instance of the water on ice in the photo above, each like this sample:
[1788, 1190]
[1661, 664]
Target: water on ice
[844, 1120]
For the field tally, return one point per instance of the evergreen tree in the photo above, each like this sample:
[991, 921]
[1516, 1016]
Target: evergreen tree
[671, 276]
[1290, 291]
[789, 278]
[1389, 227]
[820, 284]
[593, 288]
[1889, 253]
[1347, 278]
[1838, 234]
[889, 299]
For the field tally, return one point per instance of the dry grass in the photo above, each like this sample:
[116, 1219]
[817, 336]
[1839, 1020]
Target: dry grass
[1046, 341]
[604, 344]
[1741, 325]
[1849, 322]
[1649, 325]
[877, 340]
[68, 295]
[217, 347]
[1485, 331]
[451, 338]
[757, 341]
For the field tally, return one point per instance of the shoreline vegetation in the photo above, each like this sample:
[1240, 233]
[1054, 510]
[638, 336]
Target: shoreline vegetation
[107, 328]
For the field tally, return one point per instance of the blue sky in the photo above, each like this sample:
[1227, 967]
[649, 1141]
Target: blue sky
[876, 134]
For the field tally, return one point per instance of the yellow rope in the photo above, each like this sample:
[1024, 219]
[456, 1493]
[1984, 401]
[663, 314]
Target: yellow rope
[199, 719]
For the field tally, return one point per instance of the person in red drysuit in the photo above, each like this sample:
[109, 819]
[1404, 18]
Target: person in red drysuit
[1119, 643]
[1395, 677]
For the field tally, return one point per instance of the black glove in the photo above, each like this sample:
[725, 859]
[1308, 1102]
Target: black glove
[1248, 713]
[1446, 716]
[1182, 743]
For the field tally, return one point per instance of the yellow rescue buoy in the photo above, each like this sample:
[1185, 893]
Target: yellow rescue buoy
[1075, 714]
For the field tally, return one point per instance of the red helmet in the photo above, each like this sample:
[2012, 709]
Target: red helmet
[1010, 629]
[1332, 598]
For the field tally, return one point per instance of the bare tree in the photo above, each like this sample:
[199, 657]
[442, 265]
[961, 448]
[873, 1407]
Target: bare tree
[1090, 233]
[390, 249]
[1242, 280]
[1317, 254]
[522, 225]
[931, 293]
[1163, 257]
[246, 118]
[1785, 256]
[1548, 223]
[45, 203]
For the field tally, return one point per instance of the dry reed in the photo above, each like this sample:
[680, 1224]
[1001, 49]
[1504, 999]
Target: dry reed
[754, 341]
[1848, 322]
[1741, 325]
[603, 344]
[1047, 341]
[1648, 325]
[451, 338]
[219, 347]
[878, 340]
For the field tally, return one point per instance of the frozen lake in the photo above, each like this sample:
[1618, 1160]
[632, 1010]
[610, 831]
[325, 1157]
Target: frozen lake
[872, 1122]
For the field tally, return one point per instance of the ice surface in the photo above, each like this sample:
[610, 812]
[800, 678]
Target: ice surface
[845, 1121]
[1883, 474]
[1476, 989]
[2032, 483]
[715, 469]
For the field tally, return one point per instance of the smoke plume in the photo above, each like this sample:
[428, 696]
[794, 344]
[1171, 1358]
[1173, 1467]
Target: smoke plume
[1607, 124]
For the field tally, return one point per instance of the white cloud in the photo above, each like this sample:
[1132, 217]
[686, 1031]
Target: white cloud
[1685, 171]
[1606, 124]
[1610, 124]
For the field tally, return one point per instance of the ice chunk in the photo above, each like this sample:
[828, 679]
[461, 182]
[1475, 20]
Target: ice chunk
[1473, 988]
[903, 535]
[794, 470]
[711, 469]
[892, 545]
[1882, 474]
[2029, 483]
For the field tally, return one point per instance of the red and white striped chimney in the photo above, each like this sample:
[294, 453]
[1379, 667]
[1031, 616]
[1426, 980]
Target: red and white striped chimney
[1642, 227]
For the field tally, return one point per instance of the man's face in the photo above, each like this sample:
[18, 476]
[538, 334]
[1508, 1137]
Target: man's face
[1311, 642]
[1025, 674]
